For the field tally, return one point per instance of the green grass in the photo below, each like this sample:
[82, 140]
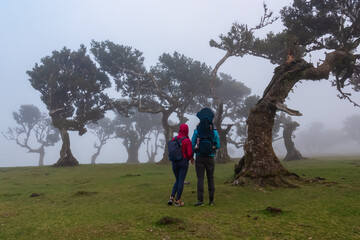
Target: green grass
[118, 201]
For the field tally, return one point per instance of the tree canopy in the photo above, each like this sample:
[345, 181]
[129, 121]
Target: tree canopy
[173, 86]
[333, 26]
[72, 88]
[309, 25]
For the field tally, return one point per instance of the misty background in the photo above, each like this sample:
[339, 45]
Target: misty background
[31, 30]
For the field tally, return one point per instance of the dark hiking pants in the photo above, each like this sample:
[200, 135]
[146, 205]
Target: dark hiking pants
[180, 169]
[202, 164]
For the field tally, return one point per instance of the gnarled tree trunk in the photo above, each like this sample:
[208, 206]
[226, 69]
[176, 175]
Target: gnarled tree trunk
[133, 153]
[151, 158]
[260, 166]
[42, 155]
[151, 153]
[292, 152]
[40, 151]
[95, 155]
[153, 150]
[222, 155]
[66, 157]
[168, 134]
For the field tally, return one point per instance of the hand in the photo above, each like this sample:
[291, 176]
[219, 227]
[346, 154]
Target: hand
[192, 161]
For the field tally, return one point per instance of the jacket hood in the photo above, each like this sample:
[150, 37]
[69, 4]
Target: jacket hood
[184, 130]
[205, 115]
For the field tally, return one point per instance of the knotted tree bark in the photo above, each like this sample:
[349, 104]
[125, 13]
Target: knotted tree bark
[259, 165]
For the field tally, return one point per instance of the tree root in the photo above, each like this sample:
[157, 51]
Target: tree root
[66, 162]
[288, 181]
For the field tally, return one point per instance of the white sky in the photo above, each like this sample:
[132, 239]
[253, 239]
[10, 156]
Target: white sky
[32, 29]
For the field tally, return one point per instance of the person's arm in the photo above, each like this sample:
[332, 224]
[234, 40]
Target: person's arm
[188, 149]
[189, 153]
[194, 139]
[217, 139]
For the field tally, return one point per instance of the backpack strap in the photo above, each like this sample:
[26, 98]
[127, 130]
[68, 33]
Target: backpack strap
[182, 138]
[176, 139]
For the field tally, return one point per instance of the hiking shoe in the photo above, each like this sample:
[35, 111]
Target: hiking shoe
[211, 203]
[171, 200]
[199, 203]
[179, 203]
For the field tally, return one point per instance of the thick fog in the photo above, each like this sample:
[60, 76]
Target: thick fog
[31, 30]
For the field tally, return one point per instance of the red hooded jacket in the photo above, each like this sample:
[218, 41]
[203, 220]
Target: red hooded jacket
[186, 145]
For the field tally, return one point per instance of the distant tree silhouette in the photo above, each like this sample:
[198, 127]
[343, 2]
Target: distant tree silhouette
[153, 140]
[104, 130]
[289, 126]
[352, 127]
[316, 139]
[134, 129]
[32, 124]
[72, 88]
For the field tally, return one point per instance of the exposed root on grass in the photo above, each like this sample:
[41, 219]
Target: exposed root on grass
[290, 181]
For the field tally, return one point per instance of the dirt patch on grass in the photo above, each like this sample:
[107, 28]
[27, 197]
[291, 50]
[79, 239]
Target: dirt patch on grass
[85, 193]
[274, 210]
[169, 220]
[132, 175]
[35, 194]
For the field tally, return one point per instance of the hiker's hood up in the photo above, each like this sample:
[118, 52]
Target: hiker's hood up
[205, 114]
[183, 130]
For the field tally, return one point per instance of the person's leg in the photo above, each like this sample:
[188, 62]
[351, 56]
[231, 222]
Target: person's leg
[200, 172]
[210, 168]
[183, 168]
[175, 168]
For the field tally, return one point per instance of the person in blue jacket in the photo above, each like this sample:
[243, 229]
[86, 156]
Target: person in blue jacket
[205, 161]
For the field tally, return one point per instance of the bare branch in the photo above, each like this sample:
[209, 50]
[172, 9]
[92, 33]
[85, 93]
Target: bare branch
[52, 112]
[343, 95]
[236, 144]
[265, 20]
[284, 108]
[276, 139]
[214, 75]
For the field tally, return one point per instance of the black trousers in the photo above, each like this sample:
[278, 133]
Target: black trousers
[202, 164]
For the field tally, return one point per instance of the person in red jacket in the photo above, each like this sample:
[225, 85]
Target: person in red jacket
[180, 168]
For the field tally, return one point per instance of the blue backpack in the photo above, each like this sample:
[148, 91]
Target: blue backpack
[205, 137]
[175, 151]
[205, 129]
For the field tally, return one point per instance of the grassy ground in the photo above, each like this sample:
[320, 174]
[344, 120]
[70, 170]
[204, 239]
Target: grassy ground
[119, 201]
